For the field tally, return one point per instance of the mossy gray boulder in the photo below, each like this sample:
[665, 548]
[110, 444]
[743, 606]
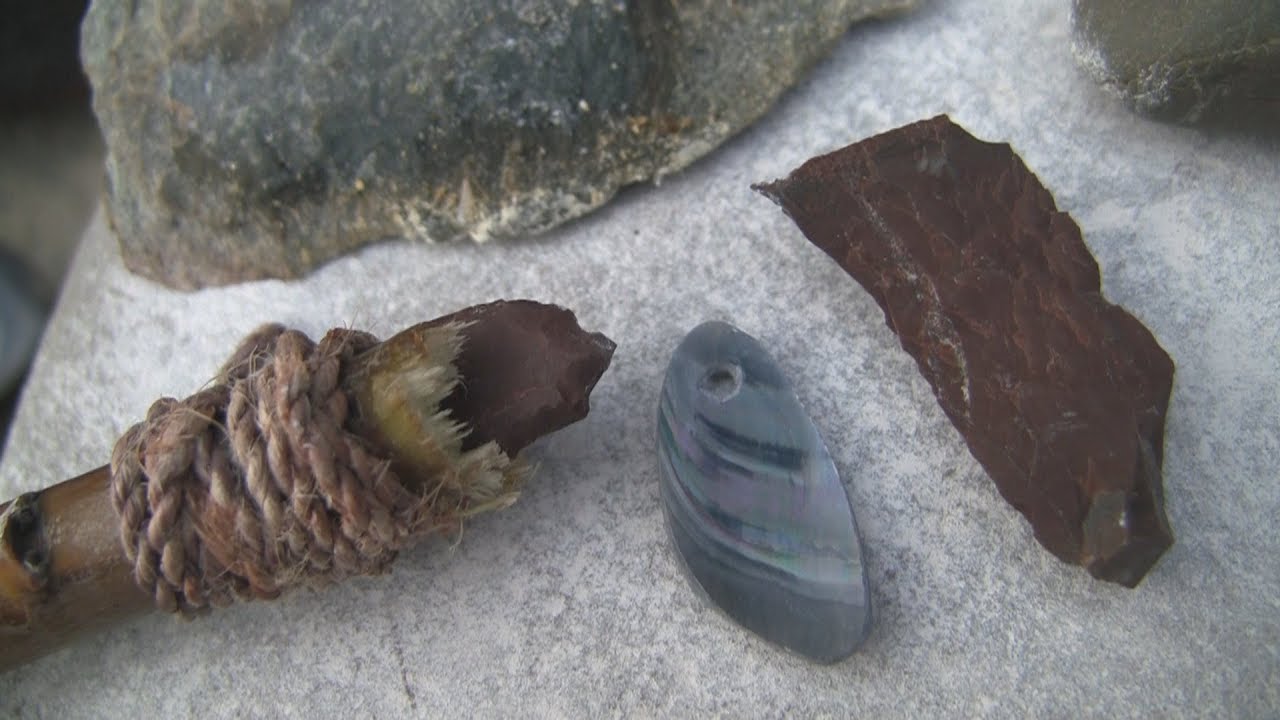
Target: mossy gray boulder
[263, 137]
[1184, 61]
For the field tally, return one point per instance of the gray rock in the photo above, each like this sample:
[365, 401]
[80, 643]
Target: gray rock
[262, 137]
[1184, 61]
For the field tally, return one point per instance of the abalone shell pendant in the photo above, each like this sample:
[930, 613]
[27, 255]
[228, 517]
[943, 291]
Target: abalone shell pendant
[756, 510]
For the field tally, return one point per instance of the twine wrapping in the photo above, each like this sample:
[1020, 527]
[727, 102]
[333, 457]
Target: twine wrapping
[253, 485]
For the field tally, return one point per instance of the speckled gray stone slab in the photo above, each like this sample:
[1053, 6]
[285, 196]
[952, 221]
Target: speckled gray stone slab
[571, 604]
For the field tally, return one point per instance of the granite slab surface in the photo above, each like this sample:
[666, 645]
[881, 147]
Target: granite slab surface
[571, 604]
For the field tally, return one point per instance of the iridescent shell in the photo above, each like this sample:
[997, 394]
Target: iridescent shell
[752, 499]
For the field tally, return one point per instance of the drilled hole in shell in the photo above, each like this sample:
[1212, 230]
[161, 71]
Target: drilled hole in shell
[722, 382]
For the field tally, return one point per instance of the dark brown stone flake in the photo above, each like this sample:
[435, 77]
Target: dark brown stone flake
[1060, 394]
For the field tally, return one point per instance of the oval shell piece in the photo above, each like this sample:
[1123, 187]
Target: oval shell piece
[756, 510]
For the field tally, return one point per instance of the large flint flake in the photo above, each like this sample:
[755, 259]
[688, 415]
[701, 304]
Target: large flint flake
[755, 507]
[1060, 394]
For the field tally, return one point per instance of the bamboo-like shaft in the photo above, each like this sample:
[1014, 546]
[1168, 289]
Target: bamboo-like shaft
[526, 370]
[62, 570]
